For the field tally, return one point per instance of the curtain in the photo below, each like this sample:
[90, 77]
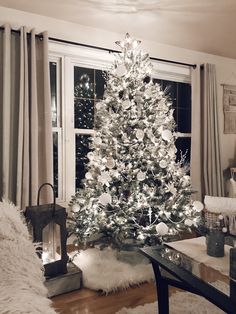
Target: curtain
[26, 145]
[206, 171]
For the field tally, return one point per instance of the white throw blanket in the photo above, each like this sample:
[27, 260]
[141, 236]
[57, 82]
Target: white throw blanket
[225, 206]
[21, 279]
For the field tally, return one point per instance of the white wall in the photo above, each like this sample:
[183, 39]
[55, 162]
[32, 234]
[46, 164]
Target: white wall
[225, 67]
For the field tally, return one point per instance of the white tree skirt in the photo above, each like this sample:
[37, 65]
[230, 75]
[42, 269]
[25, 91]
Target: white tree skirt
[102, 271]
[180, 303]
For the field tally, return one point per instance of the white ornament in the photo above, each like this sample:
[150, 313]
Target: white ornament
[141, 176]
[188, 222]
[75, 208]
[99, 105]
[162, 229]
[163, 164]
[97, 141]
[224, 229]
[105, 199]
[90, 155]
[198, 206]
[88, 175]
[166, 135]
[186, 180]
[121, 70]
[126, 104]
[139, 134]
[221, 217]
[104, 178]
[110, 163]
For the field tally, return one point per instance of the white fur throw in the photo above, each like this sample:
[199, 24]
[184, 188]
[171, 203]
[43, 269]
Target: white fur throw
[21, 278]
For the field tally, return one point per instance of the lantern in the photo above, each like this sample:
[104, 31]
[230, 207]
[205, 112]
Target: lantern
[48, 223]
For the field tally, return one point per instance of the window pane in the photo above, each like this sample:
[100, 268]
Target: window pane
[183, 145]
[184, 96]
[83, 82]
[53, 86]
[170, 89]
[55, 162]
[184, 120]
[84, 114]
[100, 83]
[81, 151]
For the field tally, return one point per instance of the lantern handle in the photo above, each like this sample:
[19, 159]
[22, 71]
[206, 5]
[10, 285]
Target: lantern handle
[54, 196]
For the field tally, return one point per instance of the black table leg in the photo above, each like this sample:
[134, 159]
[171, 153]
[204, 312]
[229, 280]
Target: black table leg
[163, 297]
[162, 291]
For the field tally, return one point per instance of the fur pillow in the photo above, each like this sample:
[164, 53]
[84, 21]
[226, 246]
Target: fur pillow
[21, 285]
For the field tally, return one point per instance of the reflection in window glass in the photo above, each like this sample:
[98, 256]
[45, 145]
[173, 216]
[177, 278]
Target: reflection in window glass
[84, 113]
[81, 150]
[53, 86]
[83, 82]
[183, 145]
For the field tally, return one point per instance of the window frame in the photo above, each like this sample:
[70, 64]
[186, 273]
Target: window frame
[67, 56]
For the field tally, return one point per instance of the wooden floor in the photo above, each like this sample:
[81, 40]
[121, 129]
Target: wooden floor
[86, 301]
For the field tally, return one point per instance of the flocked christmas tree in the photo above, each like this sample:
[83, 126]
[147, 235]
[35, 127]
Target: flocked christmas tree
[134, 190]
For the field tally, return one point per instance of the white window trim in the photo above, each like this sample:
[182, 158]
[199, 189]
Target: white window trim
[69, 57]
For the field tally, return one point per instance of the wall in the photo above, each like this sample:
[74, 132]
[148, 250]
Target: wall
[225, 67]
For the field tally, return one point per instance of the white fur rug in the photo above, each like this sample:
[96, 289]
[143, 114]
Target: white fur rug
[180, 303]
[21, 278]
[102, 271]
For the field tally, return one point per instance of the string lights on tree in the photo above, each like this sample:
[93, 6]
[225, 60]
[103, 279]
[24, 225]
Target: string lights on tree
[133, 188]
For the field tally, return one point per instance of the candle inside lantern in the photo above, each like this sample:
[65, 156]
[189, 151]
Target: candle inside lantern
[51, 250]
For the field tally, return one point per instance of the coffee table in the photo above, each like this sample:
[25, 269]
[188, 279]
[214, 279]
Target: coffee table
[188, 272]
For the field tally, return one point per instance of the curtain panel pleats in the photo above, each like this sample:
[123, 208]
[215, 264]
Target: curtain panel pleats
[26, 158]
[206, 171]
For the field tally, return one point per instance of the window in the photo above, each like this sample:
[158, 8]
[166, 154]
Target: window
[55, 75]
[180, 96]
[77, 83]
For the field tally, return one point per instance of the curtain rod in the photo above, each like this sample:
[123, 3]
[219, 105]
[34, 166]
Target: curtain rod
[104, 49]
[116, 51]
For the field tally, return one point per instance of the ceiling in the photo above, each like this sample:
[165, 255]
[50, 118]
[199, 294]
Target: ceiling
[203, 25]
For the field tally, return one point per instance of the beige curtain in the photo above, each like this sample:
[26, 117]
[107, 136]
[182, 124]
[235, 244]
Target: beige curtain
[206, 172]
[25, 113]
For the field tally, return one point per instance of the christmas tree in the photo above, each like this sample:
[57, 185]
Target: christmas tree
[134, 188]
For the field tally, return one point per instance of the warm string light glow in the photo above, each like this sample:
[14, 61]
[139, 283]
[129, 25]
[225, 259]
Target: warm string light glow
[133, 188]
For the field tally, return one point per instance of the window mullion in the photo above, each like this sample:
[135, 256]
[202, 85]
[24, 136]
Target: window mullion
[69, 129]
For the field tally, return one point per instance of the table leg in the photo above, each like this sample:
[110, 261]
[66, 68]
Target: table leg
[162, 291]
[163, 296]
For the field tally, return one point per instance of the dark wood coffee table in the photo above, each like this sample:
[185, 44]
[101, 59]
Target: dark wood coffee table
[173, 268]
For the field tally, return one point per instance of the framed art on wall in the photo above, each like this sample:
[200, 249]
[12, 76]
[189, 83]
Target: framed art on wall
[229, 107]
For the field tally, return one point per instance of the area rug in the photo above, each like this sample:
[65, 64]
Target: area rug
[180, 303]
[103, 271]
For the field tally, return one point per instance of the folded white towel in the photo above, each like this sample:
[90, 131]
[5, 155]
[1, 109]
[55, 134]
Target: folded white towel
[222, 205]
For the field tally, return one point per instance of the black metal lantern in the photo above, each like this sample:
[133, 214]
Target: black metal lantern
[48, 224]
